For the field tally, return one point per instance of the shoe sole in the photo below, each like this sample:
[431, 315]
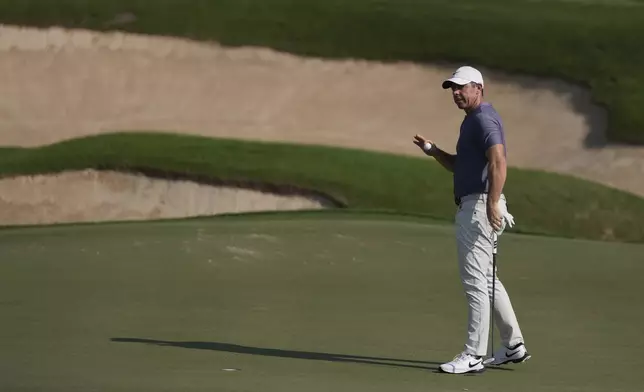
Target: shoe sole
[481, 370]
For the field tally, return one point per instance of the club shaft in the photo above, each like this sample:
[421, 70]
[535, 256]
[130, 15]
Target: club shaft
[494, 252]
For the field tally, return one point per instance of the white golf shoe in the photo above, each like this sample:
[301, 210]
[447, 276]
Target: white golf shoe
[516, 354]
[463, 363]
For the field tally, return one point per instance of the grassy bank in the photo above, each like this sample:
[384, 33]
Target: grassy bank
[592, 43]
[542, 203]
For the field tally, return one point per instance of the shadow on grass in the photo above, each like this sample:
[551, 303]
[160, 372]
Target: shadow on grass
[272, 352]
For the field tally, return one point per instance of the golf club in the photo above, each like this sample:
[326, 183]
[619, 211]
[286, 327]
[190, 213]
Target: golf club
[495, 239]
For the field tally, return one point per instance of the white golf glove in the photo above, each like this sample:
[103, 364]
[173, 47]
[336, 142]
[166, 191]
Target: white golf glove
[508, 219]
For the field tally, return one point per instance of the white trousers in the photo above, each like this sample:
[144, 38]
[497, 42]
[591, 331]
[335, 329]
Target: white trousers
[474, 238]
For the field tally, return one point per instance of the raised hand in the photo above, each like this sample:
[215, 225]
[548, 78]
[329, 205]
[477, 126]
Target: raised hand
[420, 141]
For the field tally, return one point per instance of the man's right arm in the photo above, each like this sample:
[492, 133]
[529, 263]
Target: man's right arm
[446, 160]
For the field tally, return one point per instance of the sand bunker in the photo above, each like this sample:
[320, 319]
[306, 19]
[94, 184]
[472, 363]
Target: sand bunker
[59, 84]
[82, 196]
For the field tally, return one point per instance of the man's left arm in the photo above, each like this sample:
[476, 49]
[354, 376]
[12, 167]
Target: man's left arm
[492, 138]
[497, 172]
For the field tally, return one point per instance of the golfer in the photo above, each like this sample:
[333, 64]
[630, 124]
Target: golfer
[479, 168]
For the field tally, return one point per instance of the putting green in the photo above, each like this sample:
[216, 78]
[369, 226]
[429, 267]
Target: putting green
[301, 304]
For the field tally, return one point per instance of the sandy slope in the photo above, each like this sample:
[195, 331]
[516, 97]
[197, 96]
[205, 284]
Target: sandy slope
[59, 84]
[106, 196]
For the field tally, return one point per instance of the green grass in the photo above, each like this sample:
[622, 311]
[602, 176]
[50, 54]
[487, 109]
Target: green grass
[301, 304]
[592, 43]
[362, 180]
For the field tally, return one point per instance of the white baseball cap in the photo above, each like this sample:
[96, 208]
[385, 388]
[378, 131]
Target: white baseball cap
[463, 76]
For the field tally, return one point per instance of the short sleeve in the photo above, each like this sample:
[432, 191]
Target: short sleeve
[491, 131]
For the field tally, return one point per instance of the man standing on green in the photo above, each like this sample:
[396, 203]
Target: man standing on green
[479, 168]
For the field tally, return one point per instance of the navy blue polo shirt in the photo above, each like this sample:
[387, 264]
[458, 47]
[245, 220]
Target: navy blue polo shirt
[481, 129]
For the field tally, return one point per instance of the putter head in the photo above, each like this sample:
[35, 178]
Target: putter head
[488, 361]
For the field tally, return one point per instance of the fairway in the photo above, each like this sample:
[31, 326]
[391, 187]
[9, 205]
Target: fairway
[302, 304]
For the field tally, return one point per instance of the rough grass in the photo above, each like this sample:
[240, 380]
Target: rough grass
[542, 203]
[588, 42]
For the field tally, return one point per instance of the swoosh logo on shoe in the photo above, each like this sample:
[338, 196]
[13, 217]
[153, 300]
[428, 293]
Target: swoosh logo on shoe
[508, 355]
[476, 364]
